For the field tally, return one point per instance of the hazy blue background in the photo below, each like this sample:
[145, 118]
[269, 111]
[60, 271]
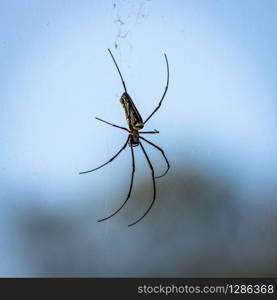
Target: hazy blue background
[216, 211]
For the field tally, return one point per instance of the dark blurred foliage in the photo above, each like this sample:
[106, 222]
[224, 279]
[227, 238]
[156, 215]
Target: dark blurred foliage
[197, 227]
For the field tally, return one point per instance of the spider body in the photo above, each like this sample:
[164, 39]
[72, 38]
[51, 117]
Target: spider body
[133, 117]
[135, 124]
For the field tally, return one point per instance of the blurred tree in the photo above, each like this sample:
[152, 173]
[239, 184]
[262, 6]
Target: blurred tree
[196, 228]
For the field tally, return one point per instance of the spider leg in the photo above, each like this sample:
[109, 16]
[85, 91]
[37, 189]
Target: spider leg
[155, 131]
[112, 124]
[161, 150]
[118, 71]
[130, 188]
[124, 146]
[154, 187]
[166, 87]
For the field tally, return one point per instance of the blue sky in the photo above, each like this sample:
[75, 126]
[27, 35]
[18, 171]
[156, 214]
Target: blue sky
[56, 75]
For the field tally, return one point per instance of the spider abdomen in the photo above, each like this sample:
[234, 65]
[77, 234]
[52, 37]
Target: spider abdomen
[133, 117]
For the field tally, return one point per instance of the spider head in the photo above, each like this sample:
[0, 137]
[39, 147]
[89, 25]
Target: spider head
[134, 138]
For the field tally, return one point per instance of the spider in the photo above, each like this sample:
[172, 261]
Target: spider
[135, 123]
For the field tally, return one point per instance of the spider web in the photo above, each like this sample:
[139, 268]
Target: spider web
[127, 15]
